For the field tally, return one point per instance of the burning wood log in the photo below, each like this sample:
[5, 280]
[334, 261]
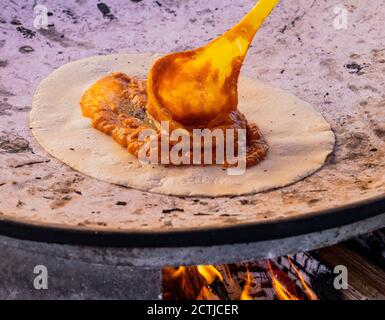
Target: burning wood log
[316, 275]
[260, 280]
[299, 277]
[183, 283]
[198, 283]
[232, 287]
[260, 287]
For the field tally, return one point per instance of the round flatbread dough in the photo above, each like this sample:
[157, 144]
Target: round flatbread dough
[299, 137]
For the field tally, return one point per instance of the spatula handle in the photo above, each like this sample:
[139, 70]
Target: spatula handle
[250, 24]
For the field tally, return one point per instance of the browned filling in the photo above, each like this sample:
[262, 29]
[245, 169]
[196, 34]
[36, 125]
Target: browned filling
[117, 106]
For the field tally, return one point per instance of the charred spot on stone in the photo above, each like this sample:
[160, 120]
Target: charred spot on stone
[121, 203]
[26, 49]
[172, 210]
[369, 165]
[15, 22]
[20, 204]
[53, 35]
[3, 63]
[379, 132]
[352, 87]
[231, 220]
[245, 202]
[21, 109]
[356, 140]
[27, 33]
[30, 163]
[295, 21]
[354, 155]
[173, 12]
[105, 10]
[313, 201]
[363, 103]
[13, 145]
[168, 223]
[61, 191]
[6, 93]
[71, 15]
[355, 68]
[5, 107]
[59, 203]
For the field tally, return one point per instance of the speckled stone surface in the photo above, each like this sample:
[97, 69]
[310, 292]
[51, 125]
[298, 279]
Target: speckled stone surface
[339, 71]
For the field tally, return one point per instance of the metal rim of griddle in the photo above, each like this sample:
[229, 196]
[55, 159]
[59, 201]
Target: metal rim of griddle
[207, 236]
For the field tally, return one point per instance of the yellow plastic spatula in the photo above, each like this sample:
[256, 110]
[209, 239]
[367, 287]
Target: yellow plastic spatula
[197, 86]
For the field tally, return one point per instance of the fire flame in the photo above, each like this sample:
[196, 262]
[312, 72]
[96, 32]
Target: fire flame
[206, 294]
[210, 279]
[309, 292]
[245, 295]
[280, 289]
[179, 272]
[210, 273]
